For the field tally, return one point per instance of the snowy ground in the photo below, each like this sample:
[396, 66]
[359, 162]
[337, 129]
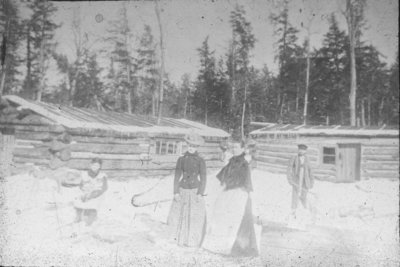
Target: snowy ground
[361, 216]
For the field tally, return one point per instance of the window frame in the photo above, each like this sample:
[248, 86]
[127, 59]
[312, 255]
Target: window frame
[163, 147]
[334, 156]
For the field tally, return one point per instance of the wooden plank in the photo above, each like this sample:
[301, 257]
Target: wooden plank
[273, 160]
[30, 152]
[38, 136]
[108, 148]
[110, 140]
[20, 159]
[380, 151]
[34, 128]
[282, 155]
[124, 175]
[379, 158]
[285, 149]
[381, 166]
[380, 174]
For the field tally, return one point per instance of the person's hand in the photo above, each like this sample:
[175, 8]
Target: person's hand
[177, 197]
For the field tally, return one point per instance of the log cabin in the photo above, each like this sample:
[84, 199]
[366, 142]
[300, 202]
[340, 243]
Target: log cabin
[336, 153]
[130, 145]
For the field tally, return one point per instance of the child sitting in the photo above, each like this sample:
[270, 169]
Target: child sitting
[93, 185]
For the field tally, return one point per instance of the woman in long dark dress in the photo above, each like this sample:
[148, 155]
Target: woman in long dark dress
[187, 217]
[231, 229]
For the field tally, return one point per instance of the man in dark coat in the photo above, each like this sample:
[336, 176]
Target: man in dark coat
[300, 177]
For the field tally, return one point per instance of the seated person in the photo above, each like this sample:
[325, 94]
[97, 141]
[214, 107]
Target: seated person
[59, 151]
[93, 185]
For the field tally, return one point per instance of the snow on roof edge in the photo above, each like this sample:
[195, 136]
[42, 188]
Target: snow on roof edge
[332, 132]
[203, 130]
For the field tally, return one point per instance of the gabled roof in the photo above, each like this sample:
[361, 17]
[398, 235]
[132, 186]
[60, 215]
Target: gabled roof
[72, 117]
[323, 130]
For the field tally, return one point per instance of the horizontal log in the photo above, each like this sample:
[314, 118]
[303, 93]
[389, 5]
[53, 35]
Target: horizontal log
[380, 158]
[285, 149]
[380, 174]
[273, 160]
[30, 152]
[34, 128]
[38, 136]
[109, 140]
[22, 142]
[283, 155]
[276, 141]
[111, 164]
[126, 175]
[381, 166]
[108, 148]
[381, 151]
[23, 160]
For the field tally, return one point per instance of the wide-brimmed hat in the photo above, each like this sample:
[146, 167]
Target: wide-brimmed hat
[194, 139]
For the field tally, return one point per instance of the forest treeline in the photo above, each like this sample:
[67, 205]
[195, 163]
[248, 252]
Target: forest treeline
[311, 86]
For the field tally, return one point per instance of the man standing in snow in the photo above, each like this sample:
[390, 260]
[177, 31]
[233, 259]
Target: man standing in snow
[300, 177]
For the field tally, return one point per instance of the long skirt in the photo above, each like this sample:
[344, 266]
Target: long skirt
[231, 229]
[187, 219]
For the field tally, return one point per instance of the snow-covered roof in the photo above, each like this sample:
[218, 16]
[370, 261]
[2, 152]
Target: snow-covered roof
[323, 130]
[72, 117]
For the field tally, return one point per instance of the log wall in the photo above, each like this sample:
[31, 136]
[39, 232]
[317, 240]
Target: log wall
[379, 156]
[121, 155]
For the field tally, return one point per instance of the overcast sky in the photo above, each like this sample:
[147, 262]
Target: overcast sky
[186, 24]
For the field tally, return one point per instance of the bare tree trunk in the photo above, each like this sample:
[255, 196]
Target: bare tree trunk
[363, 123]
[28, 61]
[380, 112]
[129, 100]
[186, 104]
[297, 98]
[281, 107]
[206, 111]
[42, 59]
[4, 63]
[305, 113]
[354, 14]
[353, 85]
[369, 110]
[161, 96]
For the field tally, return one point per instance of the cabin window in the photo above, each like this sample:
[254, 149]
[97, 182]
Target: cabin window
[329, 155]
[164, 147]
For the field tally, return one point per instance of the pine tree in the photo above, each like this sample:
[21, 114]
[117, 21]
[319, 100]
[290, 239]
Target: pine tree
[287, 53]
[243, 42]
[354, 14]
[373, 87]
[40, 46]
[329, 82]
[205, 81]
[147, 73]
[393, 96]
[11, 29]
[90, 91]
[124, 63]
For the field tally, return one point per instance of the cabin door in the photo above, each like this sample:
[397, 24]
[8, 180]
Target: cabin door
[348, 167]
